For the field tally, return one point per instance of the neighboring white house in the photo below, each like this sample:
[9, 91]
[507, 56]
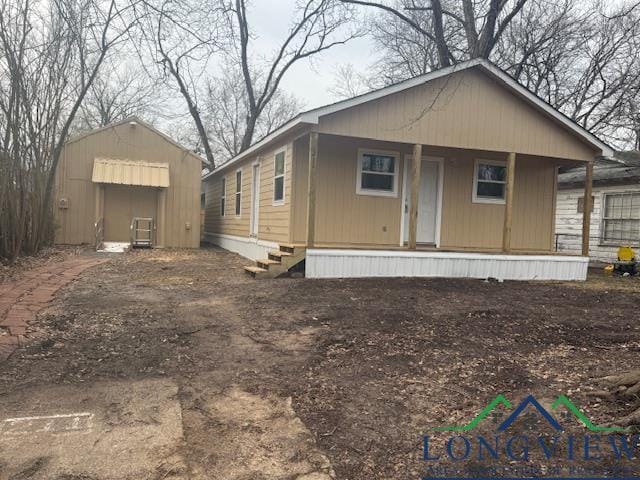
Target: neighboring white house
[615, 219]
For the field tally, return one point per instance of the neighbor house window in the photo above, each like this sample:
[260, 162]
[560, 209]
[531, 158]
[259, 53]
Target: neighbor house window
[621, 218]
[223, 196]
[489, 181]
[238, 191]
[278, 179]
[377, 173]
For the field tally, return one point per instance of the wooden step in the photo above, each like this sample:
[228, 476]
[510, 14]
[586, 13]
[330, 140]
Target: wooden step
[277, 254]
[267, 262]
[254, 270]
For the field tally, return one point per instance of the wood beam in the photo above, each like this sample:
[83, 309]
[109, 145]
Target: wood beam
[416, 164]
[588, 207]
[508, 202]
[311, 194]
[161, 219]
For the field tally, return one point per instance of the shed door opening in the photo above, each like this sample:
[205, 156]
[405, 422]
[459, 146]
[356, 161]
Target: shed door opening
[121, 204]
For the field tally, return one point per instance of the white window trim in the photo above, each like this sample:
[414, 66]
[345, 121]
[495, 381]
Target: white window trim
[372, 192]
[223, 211]
[278, 203]
[238, 193]
[603, 206]
[475, 198]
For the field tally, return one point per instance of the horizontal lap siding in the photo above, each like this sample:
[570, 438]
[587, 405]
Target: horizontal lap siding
[464, 110]
[273, 220]
[569, 221]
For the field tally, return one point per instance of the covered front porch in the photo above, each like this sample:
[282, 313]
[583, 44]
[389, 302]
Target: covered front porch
[449, 212]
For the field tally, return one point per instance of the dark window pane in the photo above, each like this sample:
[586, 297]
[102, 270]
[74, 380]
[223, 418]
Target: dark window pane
[238, 204]
[224, 187]
[238, 181]
[279, 167]
[378, 163]
[377, 182]
[278, 189]
[222, 206]
[491, 190]
[492, 172]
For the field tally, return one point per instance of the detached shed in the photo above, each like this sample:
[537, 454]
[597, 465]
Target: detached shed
[111, 177]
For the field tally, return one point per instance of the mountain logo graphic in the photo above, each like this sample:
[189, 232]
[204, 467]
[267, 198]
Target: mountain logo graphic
[529, 403]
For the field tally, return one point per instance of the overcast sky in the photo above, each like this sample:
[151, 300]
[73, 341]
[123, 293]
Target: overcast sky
[310, 81]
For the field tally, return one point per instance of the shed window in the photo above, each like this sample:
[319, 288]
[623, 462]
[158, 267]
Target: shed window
[621, 218]
[377, 173]
[278, 179]
[223, 196]
[238, 191]
[489, 181]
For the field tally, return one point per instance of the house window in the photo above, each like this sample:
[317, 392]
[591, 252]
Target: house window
[377, 173]
[489, 181]
[238, 191]
[278, 179]
[581, 204]
[223, 196]
[621, 218]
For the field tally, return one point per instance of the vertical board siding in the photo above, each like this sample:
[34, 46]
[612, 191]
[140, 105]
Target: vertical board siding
[463, 110]
[344, 217]
[75, 225]
[569, 221]
[347, 219]
[469, 225]
[273, 220]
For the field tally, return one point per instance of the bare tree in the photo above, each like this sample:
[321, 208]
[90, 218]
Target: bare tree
[50, 55]
[319, 25]
[183, 36]
[477, 24]
[227, 108]
[120, 92]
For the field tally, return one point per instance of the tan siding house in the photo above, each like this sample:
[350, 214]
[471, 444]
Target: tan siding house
[126, 170]
[358, 202]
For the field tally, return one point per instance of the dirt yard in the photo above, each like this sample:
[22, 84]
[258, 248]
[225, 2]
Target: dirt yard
[175, 364]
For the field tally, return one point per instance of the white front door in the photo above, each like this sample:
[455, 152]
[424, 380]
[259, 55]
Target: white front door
[255, 198]
[428, 204]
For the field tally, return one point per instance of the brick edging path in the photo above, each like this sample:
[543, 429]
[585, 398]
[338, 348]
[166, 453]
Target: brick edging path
[21, 300]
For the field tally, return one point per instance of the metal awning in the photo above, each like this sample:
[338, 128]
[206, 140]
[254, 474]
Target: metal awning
[130, 172]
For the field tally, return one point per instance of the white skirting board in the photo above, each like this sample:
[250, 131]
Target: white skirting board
[321, 263]
[248, 247]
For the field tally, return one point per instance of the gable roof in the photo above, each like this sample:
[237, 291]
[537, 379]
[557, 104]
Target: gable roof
[144, 124]
[312, 117]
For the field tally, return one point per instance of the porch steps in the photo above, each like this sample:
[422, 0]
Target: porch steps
[278, 262]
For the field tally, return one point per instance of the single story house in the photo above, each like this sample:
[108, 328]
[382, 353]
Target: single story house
[452, 173]
[615, 219]
[128, 182]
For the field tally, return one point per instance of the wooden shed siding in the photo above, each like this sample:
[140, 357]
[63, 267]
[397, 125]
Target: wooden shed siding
[273, 220]
[464, 110]
[75, 225]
